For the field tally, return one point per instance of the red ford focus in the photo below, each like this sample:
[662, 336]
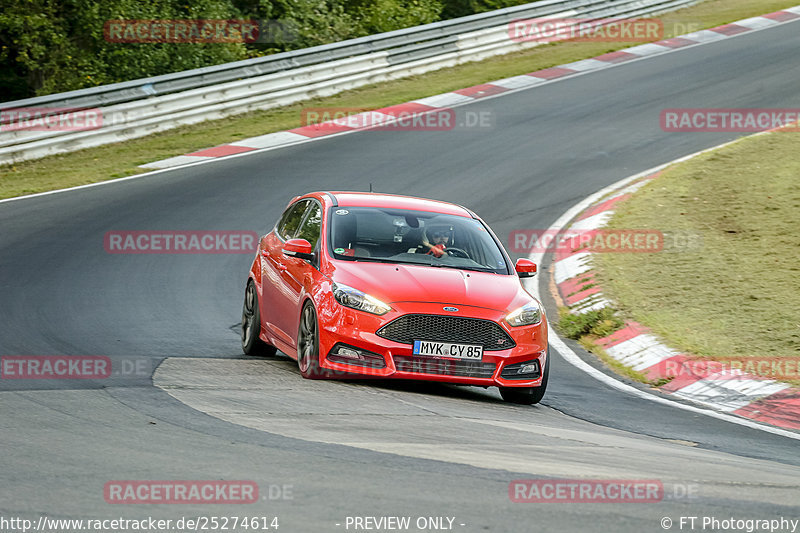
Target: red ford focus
[395, 287]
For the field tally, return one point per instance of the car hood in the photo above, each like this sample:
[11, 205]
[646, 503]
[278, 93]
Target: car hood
[412, 283]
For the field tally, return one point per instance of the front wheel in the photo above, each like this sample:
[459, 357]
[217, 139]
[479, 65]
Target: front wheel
[251, 325]
[528, 395]
[308, 344]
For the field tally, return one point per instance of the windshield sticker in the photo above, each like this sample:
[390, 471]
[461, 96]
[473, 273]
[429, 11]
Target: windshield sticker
[342, 212]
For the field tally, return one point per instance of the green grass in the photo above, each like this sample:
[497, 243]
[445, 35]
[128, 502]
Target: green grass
[737, 295]
[122, 159]
[599, 323]
[588, 327]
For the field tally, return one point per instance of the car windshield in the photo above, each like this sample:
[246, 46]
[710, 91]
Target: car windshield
[419, 237]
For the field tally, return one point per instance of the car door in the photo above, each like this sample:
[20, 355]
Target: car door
[275, 303]
[299, 273]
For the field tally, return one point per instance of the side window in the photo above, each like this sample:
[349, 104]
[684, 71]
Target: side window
[312, 227]
[291, 218]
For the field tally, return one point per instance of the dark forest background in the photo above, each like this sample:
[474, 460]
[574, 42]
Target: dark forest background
[51, 46]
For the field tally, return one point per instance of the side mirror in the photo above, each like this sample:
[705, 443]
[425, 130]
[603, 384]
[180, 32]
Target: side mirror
[299, 248]
[525, 268]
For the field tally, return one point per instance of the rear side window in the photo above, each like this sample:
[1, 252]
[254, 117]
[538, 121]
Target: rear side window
[290, 221]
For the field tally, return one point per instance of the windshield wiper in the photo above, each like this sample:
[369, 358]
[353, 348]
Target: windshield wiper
[388, 260]
[432, 263]
[471, 269]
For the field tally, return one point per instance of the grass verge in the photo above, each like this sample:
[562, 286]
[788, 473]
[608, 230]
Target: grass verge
[736, 297]
[122, 159]
[590, 326]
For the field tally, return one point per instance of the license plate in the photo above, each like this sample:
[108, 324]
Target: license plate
[448, 349]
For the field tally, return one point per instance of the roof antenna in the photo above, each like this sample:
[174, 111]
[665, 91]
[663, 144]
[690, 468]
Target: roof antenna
[370, 186]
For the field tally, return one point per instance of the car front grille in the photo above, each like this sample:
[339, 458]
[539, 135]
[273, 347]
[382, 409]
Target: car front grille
[409, 328]
[444, 367]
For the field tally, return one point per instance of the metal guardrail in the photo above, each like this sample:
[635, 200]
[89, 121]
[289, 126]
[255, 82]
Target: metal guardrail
[141, 107]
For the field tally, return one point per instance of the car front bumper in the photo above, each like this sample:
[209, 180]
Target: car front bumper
[367, 354]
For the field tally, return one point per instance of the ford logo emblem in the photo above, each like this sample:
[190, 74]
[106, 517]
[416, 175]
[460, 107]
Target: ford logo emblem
[451, 309]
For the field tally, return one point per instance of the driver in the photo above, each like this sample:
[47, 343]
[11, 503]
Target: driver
[435, 240]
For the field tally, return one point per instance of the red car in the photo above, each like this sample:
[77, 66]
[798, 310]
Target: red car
[392, 286]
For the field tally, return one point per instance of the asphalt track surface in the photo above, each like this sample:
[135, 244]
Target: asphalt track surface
[364, 448]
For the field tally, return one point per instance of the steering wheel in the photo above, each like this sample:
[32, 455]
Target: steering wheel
[457, 252]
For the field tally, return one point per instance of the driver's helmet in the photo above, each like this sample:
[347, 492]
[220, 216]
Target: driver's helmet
[437, 230]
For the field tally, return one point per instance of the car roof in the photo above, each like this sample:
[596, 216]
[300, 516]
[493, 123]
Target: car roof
[396, 201]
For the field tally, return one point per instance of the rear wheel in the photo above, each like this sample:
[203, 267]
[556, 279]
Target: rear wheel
[528, 395]
[308, 344]
[251, 325]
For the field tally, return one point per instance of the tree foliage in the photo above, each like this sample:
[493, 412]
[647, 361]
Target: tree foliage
[50, 46]
[462, 8]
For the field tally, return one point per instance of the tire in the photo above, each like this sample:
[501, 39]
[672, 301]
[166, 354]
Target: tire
[528, 395]
[251, 325]
[308, 344]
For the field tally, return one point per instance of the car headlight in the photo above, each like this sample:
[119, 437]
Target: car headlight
[356, 299]
[527, 315]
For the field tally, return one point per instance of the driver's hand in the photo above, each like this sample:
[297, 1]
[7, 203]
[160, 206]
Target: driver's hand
[438, 250]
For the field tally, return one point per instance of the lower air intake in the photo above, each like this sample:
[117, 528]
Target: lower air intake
[444, 367]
